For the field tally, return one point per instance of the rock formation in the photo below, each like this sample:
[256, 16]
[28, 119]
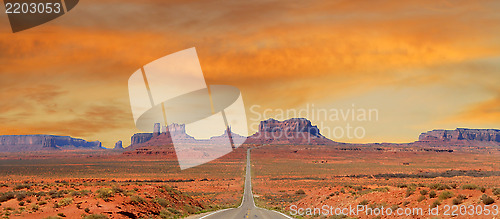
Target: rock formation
[461, 134]
[291, 131]
[118, 145]
[164, 138]
[139, 138]
[156, 130]
[18, 143]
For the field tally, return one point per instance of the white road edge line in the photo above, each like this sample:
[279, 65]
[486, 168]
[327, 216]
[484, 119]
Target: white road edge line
[216, 212]
[283, 214]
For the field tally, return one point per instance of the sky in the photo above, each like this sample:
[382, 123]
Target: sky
[421, 65]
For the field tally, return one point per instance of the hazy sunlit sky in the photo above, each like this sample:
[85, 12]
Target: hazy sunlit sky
[422, 64]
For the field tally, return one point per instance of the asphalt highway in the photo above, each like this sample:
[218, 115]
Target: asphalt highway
[247, 209]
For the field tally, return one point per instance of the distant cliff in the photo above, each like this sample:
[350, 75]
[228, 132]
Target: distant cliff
[291, 131]
[161, 138]
[489, 135]
[18, 143]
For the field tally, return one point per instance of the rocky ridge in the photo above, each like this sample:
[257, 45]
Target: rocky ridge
[17, 143]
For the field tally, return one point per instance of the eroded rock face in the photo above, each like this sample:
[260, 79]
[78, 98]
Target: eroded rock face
[156, 130]
[139, 138]
[289, 126]
[118, 145]
[18, 143]
[461, 134]
[292, 131]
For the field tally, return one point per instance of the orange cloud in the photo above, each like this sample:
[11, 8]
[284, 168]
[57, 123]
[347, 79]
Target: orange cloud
[70, 75]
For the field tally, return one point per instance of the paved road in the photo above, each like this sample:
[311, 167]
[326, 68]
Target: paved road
[247, 208]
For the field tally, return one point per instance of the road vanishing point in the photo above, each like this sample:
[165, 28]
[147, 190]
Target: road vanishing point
[247, 209]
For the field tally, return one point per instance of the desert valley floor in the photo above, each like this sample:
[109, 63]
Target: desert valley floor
[79, 184]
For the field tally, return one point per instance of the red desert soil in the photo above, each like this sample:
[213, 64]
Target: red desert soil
[374, 176]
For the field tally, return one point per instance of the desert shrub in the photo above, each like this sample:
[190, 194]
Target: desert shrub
[87, 210]
[394, 207]
[435, 204]
[6, 196]
[164, 214]
[405, 203]
[382, 189]
[56, 193]
[409, 192]
[80, 193]
[432, 194]
[137, 200]
[300, 192]
[487, 200]
[117, 190]
[61, 214]
[401, 185]
[22, 186]
[443, 187]
[96, 216]
[456, 201]
[423, 192]
[359, 188]
[364, 202]
[34, 207]
[421, 198]
[105, 193]
[21, 203]
[161, 201]
[20, 196]
[42, 202]
[173, 210]
[470, 186]
[39, 194]
[454, 185]
[482, 189]
[496, 191]
[445, 195]
[63, 202]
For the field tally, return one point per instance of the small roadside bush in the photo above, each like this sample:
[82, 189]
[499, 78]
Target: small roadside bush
[63, 202]
[432, 194]
[22, 186]
[6, 196]
[423, 192]
[105, 193]
[445, 195]
[421, 198]
[300, 192]
[137, 200]
[470, 186]
[435, 204]
[496, 191]
[161, 201]
[364, 202]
